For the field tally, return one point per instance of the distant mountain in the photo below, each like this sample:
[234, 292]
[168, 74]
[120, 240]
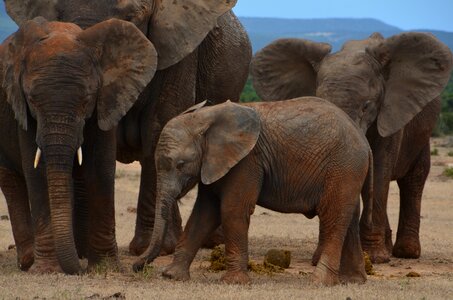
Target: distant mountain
[262, 31]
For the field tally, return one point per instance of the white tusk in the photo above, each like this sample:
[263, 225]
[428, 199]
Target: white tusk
[37, 157]
[79, 155]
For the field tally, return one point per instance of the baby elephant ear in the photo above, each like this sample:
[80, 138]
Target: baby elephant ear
[128, 61]
[178, 27]
[23, 10]
[232, 133]
[287, 68]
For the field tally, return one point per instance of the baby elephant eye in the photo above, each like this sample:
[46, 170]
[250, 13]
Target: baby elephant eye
[366, 105]
[180, 164]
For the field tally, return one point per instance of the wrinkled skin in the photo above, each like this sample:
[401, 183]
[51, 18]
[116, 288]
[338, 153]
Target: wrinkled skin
[192, 67]
[274, 153]
[62, 89]
[391, 88]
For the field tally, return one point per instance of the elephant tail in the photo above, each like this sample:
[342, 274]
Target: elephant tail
[367, 192]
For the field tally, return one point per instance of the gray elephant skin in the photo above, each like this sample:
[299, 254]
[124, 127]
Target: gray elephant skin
[297, 156]
[203, 52]
[391, 88]
[63, 92]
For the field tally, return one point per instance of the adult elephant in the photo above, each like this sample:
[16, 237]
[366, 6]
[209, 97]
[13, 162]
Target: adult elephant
[391, 88]
[204, 53]
[64, 89]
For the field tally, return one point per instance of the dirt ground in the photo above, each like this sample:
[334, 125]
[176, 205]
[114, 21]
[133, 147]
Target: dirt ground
[268, 230]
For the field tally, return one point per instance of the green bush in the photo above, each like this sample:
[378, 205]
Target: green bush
[448, 172]
[435, 152]
[249, 93]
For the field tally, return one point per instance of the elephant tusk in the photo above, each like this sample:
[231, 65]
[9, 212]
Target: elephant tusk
[37, 157]
[79, 156]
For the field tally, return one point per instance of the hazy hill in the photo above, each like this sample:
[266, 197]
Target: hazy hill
[262, 31]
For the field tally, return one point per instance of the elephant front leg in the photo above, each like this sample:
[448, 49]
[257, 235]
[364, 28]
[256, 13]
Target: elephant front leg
[411, 186]
[99, 176]
[205, 218]
[146, 214]
[15, 191]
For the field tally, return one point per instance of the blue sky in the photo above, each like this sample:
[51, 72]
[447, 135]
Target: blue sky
[405, 14]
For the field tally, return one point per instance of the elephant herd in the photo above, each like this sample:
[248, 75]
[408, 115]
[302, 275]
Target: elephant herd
[87, 83]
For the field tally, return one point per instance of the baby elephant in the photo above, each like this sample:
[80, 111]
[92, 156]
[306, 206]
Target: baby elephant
[297, 156]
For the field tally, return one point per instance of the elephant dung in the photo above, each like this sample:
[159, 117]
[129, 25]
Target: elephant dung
[217, 259]
[279, 258]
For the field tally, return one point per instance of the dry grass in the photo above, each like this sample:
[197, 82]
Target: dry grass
[268, 230]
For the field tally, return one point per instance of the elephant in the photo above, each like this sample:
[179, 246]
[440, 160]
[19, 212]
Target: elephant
[391, 88]
[303, 155]
[64, 89]
[194, 39]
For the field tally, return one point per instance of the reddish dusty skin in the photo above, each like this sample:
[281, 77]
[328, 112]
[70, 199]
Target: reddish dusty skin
[296, 156]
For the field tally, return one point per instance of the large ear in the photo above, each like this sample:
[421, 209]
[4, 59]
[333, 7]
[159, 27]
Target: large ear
[178, 27]
[128, 61]
[232, 133]
[287, 68]
[23, 10]
[418, 70]
[11, 66]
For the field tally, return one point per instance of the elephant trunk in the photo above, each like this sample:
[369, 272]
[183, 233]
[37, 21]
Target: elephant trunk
[163, 207]
[59, 160]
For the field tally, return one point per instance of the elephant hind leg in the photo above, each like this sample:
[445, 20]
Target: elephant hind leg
[15, 191]
[411, 186]
[352, 266]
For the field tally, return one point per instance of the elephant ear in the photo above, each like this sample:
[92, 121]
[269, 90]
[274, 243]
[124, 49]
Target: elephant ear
[11, 65]
[418, 70]
[232, 133]
[23, 10]
[287, 68]
[128, 61]
[178, 27]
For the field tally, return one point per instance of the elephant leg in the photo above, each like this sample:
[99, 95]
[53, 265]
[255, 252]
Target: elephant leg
[352, 265]
[81, 219]
[15, 190]
[205, 218]
[99, 174]
[411, 186]
[319, 248]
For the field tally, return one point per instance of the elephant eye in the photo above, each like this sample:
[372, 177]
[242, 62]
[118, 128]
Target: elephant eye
[366, 105]
[180, 164]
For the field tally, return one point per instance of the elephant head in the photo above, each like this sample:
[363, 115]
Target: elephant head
[176, 28]
[387, 81]
[57, 76]
[202, 144]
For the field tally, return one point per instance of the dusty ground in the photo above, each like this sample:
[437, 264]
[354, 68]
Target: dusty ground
[268, 230]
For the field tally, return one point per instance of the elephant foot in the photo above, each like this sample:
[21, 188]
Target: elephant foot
[176, 272]
[141, 241]
[324, 276]
[139, 244]
[358, 278]
[25, 258]
[378, 255]
[235, 277]
[105, 264]
[215, 239]
[407, 248]
[353, 273]
[43, 266]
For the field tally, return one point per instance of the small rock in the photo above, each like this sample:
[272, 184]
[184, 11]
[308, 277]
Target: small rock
[4, 218]
[132, 210]
[413, 274]
[279, 258]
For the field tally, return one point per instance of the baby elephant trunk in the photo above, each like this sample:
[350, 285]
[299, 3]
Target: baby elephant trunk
[163, 206]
